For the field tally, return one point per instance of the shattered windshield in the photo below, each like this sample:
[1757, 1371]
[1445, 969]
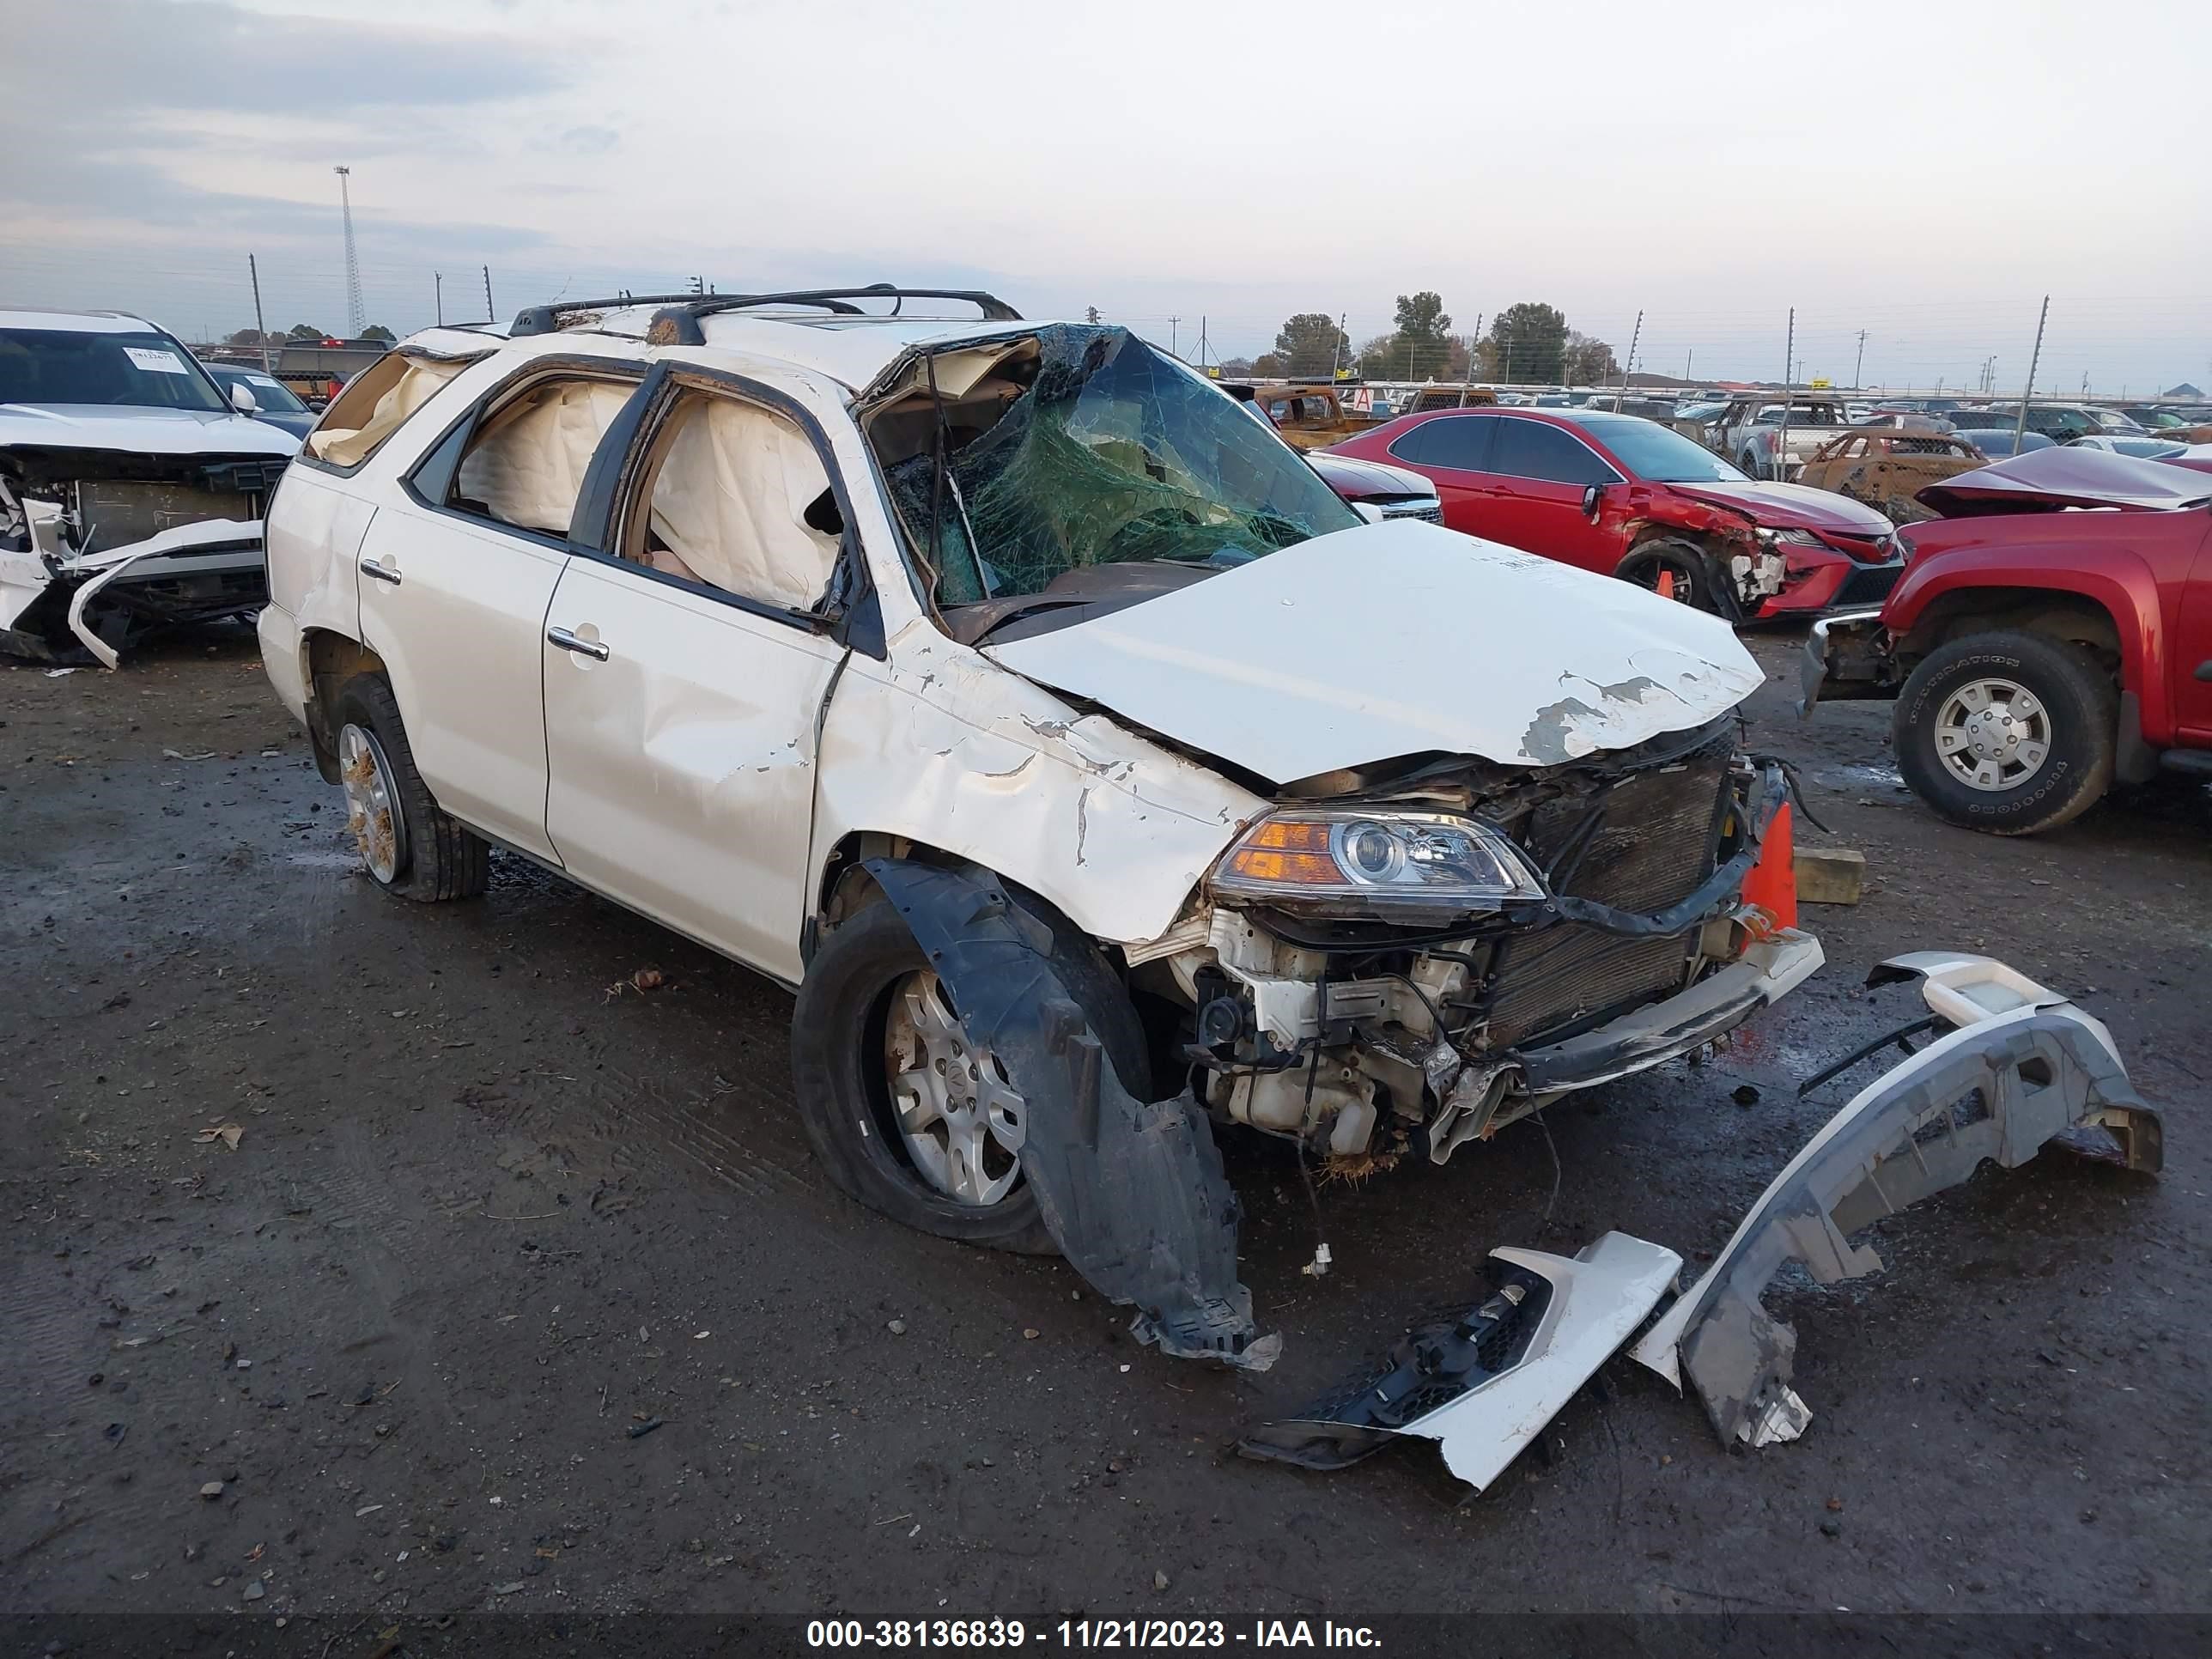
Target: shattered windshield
[64, 365]
[1112, 454]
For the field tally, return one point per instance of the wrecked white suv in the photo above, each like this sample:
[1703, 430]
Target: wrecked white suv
[132, 485]
[1091, 770]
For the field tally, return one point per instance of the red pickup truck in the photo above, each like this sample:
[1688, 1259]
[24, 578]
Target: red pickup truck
[2051, 633]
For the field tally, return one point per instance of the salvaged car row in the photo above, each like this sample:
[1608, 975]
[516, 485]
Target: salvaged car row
[966, 675]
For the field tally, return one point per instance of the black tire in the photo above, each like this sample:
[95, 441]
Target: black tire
[1696, 582]
[2083, 707]
[440, 858]
[844, 1100]
[1750, 463]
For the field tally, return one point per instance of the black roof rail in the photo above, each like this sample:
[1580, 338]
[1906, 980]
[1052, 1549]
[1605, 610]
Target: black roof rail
[680, 312]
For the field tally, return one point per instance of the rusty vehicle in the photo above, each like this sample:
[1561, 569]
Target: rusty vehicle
[1428, 398]
[1312, 416]
[1885, 467]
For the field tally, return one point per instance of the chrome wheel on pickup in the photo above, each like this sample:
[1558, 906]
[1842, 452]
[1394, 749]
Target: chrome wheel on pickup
[1993, 734]
[2008, 732]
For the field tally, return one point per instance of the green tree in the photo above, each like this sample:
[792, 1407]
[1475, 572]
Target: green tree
[303, 332]
[1237, 368]
[1376, 362]
[1311, 345]
[1267, 366]
[1421, 345]
[1589, 362]
[1526, 343]
[378, 331]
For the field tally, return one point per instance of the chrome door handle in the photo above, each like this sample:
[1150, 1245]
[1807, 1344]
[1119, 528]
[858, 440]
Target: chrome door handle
[582, 648]
[383, 574]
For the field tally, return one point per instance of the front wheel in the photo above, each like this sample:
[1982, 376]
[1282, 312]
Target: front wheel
[2008, 733]
[1678, 570]
[906, 1113]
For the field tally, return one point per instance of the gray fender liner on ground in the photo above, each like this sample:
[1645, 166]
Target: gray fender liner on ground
[1131, 1190]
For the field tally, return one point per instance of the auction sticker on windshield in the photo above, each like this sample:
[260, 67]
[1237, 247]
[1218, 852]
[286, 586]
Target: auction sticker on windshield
[155, 362]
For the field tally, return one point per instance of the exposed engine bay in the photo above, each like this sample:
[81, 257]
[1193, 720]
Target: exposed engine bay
[98, 547]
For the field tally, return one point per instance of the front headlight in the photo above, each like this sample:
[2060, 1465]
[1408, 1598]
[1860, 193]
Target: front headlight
[1791, 538]
[1346, 860]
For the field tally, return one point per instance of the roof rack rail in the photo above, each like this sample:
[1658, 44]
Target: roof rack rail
[678, 315]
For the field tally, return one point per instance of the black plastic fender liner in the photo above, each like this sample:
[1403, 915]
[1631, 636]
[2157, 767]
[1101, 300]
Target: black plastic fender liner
[1132, 1191]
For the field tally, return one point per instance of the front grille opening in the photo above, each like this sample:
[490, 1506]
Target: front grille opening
[1660, 838]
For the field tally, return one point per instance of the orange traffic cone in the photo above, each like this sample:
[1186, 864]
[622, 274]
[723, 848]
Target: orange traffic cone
[1772, 883]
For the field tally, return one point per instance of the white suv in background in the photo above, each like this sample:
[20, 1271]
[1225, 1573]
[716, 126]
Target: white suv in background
[1090, 771]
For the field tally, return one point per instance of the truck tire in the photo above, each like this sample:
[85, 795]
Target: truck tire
[408, 844]
[869, 975]
[2008, 733]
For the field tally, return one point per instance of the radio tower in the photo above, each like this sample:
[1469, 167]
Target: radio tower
[356, 317]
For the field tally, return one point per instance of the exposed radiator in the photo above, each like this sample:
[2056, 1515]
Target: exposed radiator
[1655, 844]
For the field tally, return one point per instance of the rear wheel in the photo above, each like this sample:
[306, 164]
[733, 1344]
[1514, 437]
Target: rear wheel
[408, 844]
[2008, 733]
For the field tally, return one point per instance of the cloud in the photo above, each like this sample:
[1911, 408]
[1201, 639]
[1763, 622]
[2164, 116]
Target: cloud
[590, 141]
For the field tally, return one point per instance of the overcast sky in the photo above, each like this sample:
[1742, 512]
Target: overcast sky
[1924, 173]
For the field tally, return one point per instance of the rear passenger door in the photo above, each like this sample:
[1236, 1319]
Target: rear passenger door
[1451, 451]
[686, 661]
[1539, 472]
[454, 582]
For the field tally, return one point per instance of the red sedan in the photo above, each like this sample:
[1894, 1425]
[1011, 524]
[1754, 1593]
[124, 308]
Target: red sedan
[1628, 496]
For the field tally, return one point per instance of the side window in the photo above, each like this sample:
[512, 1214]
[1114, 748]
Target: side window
[736, 498]
[1529, 449]
[1460, 441]
[375, 404]
[525, 461]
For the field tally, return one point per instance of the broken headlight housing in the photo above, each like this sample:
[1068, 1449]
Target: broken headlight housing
[1346, 860]
[1789, 537]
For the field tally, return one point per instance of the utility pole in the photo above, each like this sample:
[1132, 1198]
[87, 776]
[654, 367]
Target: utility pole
[1173, 326]
[356, 317]
[491, 312]
[1781, 463]
[1336, 352]
[2020, 427]
[1201, 340]
[437, 295]
[1861, 362]
[260, 328]
[1688, 357]
[1468, 380]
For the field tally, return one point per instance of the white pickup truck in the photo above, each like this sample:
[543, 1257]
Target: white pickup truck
[1750, 432]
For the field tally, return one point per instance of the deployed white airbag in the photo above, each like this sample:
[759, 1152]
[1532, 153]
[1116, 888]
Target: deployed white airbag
[350, 445]
[527, 464]
[730, 504]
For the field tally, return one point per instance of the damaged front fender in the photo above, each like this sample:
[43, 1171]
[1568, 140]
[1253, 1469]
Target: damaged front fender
[2023, 1066]
[1131, 1190]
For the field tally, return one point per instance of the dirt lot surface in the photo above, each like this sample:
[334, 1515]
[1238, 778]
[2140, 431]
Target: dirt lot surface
[518, 1290]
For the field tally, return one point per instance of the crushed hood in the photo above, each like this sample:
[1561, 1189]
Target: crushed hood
[144, 431]
[1788, 505]
[2062, 476]
[1398, 639]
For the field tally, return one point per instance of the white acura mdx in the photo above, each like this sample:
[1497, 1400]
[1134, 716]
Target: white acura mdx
[1092, 772]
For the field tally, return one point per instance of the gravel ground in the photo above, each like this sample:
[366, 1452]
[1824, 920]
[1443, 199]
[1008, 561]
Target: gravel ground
[518, 1290]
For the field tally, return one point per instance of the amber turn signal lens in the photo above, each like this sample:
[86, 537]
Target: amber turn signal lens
[1287, 850]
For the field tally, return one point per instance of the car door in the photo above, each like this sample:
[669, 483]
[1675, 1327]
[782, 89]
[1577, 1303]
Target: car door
[1540, 472]
[1451, 449]
[687, 658]
[455, 578]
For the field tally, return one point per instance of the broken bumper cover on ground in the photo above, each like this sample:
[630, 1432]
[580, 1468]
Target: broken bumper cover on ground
[1485, 1384]
[2021, 1065]
[1131, 1190]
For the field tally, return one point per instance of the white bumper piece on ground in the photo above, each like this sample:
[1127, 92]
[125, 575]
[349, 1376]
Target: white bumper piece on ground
[2020, 1066]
